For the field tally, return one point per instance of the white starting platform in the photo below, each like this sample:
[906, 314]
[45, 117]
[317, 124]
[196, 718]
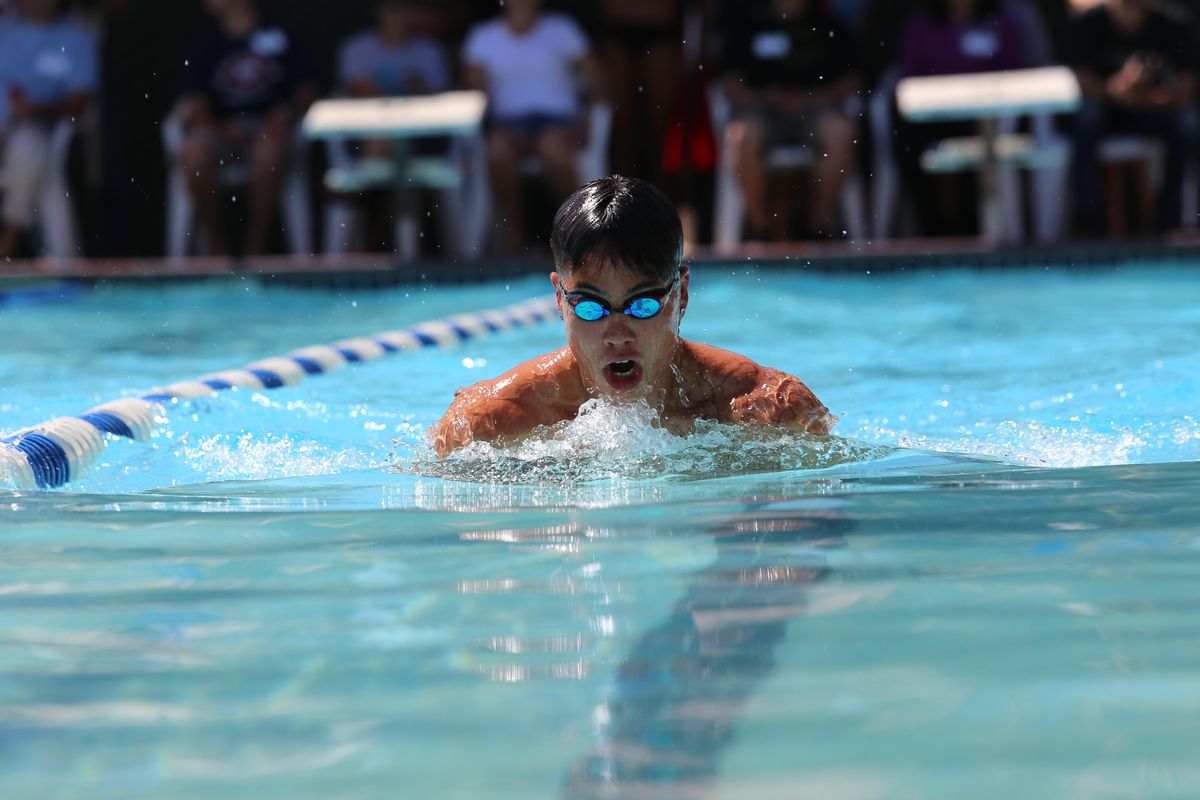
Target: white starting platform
[988, 98]
[457, 116]
[445, 114]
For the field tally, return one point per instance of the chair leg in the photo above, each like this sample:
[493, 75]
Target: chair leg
[180, 214]
[730, 206]
[297, 212]
[1191, 185]
[1114, 200]
[852, 207]
[56, 216]
[343, 227]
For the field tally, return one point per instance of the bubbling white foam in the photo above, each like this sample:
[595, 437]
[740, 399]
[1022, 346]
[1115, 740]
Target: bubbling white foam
[627, 441]
[1036, 444]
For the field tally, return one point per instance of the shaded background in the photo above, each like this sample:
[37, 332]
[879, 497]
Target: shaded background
[143, 43]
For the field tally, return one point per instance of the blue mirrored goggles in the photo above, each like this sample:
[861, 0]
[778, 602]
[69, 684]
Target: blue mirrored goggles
[642, 305]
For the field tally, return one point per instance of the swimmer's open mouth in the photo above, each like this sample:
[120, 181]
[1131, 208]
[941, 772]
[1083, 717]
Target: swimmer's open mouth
[623, 375]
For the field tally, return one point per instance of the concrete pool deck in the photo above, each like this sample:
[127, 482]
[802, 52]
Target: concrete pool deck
[382, 269]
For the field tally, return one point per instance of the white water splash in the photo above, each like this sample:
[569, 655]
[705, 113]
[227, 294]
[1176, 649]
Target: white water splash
[626, 441]
[1040, 445]
[250, 457]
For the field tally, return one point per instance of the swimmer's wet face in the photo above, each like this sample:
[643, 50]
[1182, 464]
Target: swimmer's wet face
[620, 289]
[619, 354]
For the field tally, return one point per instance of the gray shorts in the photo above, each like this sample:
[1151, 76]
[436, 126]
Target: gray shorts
[783, 128]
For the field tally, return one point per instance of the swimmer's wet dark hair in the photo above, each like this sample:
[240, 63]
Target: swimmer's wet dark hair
[619, 220]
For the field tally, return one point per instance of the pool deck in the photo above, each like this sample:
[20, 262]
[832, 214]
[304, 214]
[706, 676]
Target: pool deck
[368, 270]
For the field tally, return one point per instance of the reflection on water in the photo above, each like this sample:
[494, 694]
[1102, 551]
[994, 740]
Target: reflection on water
[664, 719]
[906, 626]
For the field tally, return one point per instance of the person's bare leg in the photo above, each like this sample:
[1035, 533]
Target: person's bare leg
[836, 135]
[270, 156]
[504, 151]
[199, 160]
[619, 75]
[26, 160]
[748, 137]
[10, 236]
[1115, 206]
[558, 149]
[659, 76]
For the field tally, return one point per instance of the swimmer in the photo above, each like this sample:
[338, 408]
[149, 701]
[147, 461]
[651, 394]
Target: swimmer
[622, 292]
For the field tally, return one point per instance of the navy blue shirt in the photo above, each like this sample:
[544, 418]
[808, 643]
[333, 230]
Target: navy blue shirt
[805, 52]
[249, 75]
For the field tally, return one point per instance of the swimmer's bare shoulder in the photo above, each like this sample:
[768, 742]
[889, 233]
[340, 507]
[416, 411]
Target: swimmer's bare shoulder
[748, 392]
[508, 407]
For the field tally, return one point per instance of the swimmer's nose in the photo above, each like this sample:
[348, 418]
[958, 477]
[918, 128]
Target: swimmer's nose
[617, 330]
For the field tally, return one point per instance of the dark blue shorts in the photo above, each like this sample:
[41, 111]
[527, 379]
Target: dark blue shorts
[532, 125]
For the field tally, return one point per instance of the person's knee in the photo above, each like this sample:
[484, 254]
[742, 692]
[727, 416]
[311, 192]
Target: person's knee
[197, 153]
[503, 151]
[276, 128]
[27, 147]
[558, 149]
[25, 160]
[837, 134]
[748, 136]
[270, 154]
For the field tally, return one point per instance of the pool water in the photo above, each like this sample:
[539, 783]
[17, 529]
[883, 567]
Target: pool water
[985, 585]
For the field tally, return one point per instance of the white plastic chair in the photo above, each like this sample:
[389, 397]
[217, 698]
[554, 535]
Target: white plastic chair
[181, 213]
[730, 204]
[54, 222]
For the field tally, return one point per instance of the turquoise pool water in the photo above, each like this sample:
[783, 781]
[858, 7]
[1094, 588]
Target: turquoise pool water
[985, 586]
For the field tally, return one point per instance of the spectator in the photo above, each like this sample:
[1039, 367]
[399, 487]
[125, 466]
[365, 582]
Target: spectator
[641, 49]
[1135, 68]
[951, 37]
[852, 13]
[244, 87]
[47, 75]
[528, 61]
[788, 69]
[394, 59]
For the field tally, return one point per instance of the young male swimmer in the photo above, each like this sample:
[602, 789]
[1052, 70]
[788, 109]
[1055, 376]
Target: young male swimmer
[622, 292]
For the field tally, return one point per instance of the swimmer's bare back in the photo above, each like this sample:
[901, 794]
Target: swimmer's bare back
[712, 384]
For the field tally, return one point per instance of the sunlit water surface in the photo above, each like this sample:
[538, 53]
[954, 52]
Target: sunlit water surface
[987, 585]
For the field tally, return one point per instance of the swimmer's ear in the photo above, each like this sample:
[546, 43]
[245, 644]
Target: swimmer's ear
[684, 277]
[557, 293]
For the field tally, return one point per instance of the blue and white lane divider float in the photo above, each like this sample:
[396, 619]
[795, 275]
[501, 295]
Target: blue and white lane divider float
[59, 451]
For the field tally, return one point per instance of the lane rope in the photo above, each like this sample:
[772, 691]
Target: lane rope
[57, 452]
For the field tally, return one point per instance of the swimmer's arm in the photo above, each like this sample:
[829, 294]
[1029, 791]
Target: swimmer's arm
[780, 399]
[472, 419]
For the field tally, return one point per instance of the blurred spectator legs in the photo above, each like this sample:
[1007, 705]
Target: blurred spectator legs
[508, 146]
[643, 81]
[27, 156]
[206, 151]
[1170, 128]
[753, 137]
[945, 204]
[748, 137]
[837, 154]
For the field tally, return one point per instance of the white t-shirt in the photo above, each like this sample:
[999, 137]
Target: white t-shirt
[529, 73]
